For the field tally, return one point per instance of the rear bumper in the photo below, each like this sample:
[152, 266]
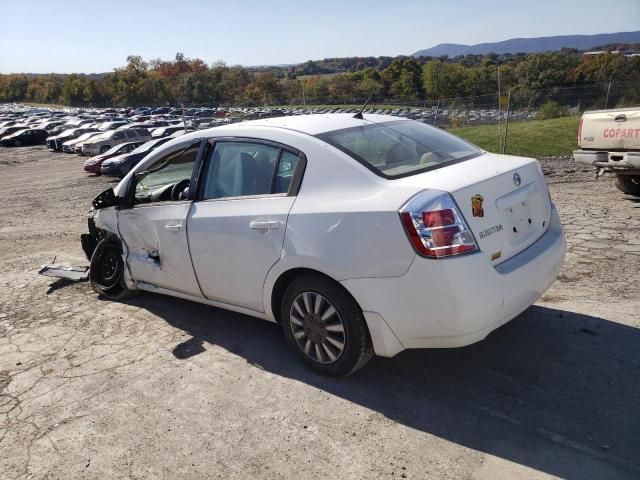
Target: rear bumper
[458, 301]
[589, 157]
[612, 161]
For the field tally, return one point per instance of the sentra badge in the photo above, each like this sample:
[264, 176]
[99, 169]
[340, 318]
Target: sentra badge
[476, 205]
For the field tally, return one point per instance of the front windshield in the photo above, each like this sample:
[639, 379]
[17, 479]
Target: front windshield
[401, 148]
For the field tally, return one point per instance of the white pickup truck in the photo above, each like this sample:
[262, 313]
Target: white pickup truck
[609, 140]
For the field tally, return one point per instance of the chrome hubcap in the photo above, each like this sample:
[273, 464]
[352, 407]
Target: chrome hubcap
[317, 327]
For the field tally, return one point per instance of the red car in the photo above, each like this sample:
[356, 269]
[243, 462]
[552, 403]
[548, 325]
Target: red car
[93, 164]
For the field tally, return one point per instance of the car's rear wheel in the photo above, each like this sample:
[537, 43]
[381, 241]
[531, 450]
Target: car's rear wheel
[324, 325]
[628, 184]
[106, 272]
[104, 148]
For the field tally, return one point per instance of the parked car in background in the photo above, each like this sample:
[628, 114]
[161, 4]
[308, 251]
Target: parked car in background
[609, 141]
[30, 136]
[120, 165]
[166, 131]
[111, 125]
[93, 164]
[70, 145]
[423, 241]
[176, 134]
[55, 143]
[6, 131]
[105, 141]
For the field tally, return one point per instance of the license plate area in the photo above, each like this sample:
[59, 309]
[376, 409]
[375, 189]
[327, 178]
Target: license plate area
[519, 217]
[521, 222]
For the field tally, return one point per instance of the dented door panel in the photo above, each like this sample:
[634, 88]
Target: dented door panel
[157, 249]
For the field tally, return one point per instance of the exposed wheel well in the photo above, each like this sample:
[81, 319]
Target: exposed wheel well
[285, 280]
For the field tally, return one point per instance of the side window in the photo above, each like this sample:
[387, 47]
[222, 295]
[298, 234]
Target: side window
[239, 169]
[118, 135]
[286, 168]
[155, 183]
[130, 133]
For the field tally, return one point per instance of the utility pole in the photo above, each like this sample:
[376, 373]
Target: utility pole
[506, 127]
[606, 100]
[499, 114]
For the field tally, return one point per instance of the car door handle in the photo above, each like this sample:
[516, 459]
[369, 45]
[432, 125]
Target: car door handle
[176, 227]
[264, 225]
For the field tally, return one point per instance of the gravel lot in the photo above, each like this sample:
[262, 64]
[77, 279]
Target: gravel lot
[163, 388]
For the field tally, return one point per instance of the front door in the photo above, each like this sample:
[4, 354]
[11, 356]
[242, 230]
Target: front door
[237, 226]
[154, 229]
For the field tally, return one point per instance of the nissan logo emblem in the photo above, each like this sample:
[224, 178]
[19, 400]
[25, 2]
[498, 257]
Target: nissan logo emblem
[516, 179]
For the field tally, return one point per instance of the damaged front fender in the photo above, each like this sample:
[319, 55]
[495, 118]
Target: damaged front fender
[91, 240]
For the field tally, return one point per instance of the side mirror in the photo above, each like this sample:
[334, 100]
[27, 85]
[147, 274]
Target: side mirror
[106, 199]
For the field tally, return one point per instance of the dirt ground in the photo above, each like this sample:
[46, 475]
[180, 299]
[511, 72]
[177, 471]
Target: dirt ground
[163, 388]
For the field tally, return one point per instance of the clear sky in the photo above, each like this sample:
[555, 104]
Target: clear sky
[96, 36]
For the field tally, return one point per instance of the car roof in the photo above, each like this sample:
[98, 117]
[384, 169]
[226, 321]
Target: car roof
[312, 124]
[315, 124]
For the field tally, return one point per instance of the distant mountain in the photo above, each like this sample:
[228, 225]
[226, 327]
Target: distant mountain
[531, 45]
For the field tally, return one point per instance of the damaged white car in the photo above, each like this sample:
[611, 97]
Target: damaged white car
[360, 236]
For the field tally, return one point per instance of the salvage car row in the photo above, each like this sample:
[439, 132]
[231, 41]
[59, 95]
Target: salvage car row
[114, 142]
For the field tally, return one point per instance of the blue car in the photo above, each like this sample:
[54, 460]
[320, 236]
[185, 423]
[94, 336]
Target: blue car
[121, 165]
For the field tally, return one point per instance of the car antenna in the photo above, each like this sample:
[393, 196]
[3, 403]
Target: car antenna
[359, 114]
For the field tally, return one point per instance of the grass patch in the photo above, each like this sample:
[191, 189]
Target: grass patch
[534, 138]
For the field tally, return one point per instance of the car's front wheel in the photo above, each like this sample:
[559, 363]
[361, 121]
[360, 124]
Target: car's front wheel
[106, 272]
[324, 325]
[628, 184]
[104, 148]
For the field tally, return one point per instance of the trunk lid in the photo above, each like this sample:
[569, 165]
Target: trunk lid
[504, 200]
[611, 129]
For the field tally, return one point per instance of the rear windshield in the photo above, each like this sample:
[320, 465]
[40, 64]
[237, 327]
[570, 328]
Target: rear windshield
[401, 148]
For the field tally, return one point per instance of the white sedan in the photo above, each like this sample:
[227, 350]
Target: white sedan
[360, 236]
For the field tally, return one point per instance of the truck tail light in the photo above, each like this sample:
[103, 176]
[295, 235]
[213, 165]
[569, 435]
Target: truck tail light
[580, 131]
[435, 226]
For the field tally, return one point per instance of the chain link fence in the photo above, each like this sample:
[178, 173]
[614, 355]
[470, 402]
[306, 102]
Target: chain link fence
[515, 104]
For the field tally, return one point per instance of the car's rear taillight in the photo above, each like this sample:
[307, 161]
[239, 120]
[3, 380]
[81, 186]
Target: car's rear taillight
[580, 131]
[435, 226]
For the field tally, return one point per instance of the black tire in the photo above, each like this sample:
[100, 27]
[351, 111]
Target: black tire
[357, 350]
[104, 148]
[628, 184]
[17, 143]
[106, 272]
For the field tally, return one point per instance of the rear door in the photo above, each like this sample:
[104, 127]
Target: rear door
[236, 227]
